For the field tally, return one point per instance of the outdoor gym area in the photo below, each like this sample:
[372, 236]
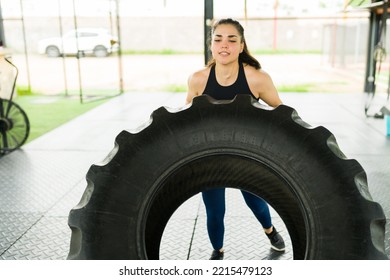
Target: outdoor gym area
[123, 180]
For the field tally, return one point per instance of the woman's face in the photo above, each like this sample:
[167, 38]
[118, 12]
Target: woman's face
[226, 44]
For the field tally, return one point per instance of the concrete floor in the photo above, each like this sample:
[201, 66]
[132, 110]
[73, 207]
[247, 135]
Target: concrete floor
[41, 182]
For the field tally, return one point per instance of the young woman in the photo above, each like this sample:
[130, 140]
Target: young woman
[231, 71]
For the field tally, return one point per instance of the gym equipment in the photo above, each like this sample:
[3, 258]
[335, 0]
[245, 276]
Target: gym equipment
[14, 123]
[321, 196]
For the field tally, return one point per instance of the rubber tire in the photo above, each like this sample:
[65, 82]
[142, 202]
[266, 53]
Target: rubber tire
[100, 51]
[53, 51]
[321, 196]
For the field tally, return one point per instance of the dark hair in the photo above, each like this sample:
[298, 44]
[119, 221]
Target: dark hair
[245, 56]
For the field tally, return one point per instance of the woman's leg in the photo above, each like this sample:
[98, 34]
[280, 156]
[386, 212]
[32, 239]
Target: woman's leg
[214, 200]
[259, 208]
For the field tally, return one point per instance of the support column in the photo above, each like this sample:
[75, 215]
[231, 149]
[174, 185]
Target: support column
[208, 18]
[2, 36]
[369, 82]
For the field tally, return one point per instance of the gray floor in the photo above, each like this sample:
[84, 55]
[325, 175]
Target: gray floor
[41, 182]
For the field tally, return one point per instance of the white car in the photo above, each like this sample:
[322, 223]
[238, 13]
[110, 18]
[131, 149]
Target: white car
[96, 41]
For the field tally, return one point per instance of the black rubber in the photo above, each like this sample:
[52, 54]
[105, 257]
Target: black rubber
[321, 196]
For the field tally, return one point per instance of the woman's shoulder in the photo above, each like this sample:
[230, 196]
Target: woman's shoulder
[254, 72]
[200, 75]
[256, 75]
[198, 79]
[197, 83]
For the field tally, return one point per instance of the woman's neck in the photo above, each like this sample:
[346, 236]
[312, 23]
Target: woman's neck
[227, 74]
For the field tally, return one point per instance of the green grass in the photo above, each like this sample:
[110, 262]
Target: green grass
[311, 87]
[179, 88]
[23, 91]
[357, 3]
[295, 88]
[176, 88]
[48, 112]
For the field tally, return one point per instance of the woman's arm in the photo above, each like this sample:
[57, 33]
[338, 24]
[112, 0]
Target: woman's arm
[192, 91]
[196, 84]
[262, 86]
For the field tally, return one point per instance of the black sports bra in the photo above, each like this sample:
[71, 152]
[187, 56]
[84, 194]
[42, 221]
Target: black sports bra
[215, 90]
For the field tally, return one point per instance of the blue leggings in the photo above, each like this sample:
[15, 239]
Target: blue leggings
[214, 201]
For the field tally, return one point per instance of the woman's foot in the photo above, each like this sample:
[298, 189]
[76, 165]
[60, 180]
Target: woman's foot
[217, 255]
[277, 242]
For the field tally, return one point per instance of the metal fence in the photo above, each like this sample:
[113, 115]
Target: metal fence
[342, 40]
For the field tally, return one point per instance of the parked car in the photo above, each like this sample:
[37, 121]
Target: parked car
[83, 41]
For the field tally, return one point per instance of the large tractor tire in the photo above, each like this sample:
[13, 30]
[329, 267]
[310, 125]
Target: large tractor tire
[321, 196]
